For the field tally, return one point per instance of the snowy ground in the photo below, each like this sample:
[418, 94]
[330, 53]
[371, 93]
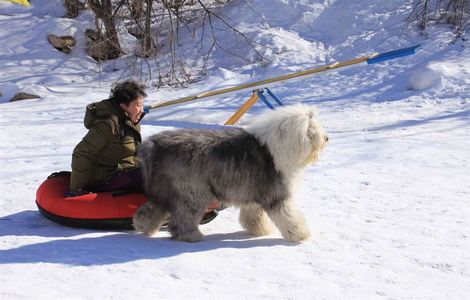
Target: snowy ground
[388, 203]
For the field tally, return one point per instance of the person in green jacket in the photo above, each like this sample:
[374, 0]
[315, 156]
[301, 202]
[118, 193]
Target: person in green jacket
[106, 158]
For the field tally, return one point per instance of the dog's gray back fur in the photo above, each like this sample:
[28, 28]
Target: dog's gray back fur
[191, 168]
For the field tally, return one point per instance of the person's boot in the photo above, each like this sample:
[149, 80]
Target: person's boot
[208, 216]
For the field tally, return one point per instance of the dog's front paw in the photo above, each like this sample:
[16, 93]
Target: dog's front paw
[191, 237]
[265, 229]
[297, 235]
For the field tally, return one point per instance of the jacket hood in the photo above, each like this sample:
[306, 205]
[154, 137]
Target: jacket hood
[102, 110]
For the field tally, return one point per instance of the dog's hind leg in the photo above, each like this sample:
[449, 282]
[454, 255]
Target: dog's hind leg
[149, 218]
[290, 222]
[185, 230]
[184, 223]
[254, 220]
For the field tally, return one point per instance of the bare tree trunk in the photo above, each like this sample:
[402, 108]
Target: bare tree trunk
[458, 14]
[424, 20]
[148, 45]
[454, 12]
[73, 8]
[159, 26]
[103, 10]
[136, 9]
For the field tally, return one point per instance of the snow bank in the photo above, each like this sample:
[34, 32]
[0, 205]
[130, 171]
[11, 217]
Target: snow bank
[444, 74]
[425, 78]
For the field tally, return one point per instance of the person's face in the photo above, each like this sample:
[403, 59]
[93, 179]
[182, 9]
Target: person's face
[134, 109]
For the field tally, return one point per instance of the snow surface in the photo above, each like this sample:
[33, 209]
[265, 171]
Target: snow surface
[388, 203]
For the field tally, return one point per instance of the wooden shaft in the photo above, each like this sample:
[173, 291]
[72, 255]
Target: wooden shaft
[262, 83]
[245, 107]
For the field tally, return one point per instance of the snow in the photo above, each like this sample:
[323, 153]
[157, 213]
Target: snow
[387, 203]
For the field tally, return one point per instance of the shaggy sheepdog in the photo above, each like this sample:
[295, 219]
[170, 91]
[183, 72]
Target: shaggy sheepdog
[255, 168]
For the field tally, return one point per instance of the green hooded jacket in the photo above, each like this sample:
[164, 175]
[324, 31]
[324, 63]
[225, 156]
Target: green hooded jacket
[109, 147]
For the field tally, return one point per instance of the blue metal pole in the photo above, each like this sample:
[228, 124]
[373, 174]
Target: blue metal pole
[274, 97]
[392, 54]
[262, 97]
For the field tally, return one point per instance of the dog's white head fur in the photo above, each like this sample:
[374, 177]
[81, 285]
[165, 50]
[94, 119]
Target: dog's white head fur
[292, 134]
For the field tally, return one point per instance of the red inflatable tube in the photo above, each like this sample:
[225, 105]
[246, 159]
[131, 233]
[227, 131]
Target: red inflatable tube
[95, 210]
[107, 210]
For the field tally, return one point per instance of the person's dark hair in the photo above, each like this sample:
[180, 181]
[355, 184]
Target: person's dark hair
[127, 91]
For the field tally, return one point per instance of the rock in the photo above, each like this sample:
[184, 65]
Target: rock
[97, 47]
[62, 43]
[92, 34]
[23, 96]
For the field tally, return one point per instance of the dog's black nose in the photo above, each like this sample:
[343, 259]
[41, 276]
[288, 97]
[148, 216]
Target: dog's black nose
[327, 138]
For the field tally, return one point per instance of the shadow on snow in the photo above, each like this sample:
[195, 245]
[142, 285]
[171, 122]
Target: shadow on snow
[112, 248]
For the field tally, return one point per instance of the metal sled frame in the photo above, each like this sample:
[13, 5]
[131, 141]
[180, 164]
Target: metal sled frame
[255, 96]
[258, 87]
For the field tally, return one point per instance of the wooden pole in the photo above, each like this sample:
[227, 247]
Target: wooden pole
[259, 84]
[245, 107]
[370, 59]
